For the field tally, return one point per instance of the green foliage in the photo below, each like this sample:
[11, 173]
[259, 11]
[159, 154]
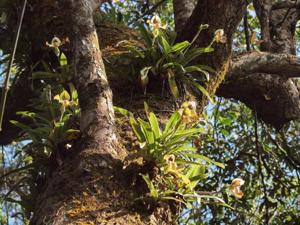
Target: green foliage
[53, 127]
[163, 58]
[51, 123]
[230, 138]
[180, 166]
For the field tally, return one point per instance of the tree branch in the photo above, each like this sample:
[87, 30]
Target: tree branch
[263, 11]
[285, 4]
[275, 98]
[264, 62]
[259, 80]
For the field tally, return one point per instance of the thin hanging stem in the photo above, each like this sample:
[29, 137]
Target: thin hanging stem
[246, 30]
[6, 82]
[260, 167]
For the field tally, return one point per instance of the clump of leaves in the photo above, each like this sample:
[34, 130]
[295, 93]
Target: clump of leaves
[161, 57]
[52, 122]
[52, 128]
[180, 167]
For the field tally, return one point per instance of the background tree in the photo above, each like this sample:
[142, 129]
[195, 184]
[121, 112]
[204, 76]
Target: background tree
[74, 163]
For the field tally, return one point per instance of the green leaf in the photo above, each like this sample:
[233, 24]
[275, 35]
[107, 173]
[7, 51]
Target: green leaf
[172, 123]
[205, 67]
[147, 131]
[180, 149]
[173, 199]
[195, 173]
[45, 75]
[202, 90]
[154, 125]
[136, 129]
[165, 45]
[146, 34]
[187, 162]
[191, 69]
[123, 111]
[194, 53]
[197, 156]
[180, 46]
[136, 52]
[188, 133]
[172, 84]
[174, 65]
[146, 108]
[152, 189]
[20, 125]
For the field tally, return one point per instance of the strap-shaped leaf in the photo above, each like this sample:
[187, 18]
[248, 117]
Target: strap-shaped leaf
[147, 131]
[202, 157]
[136, 129]
[172, 123]
[191, 69]
[154, 125]
[202, 90]
[152, 189]
[194, 53]
[165, 46]
[123, 111]
[180, 46]
[172, 84]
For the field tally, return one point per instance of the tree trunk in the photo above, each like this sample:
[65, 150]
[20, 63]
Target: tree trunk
[90, 186]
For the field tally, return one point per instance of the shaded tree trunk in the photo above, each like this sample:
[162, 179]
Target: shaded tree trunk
[90, 187]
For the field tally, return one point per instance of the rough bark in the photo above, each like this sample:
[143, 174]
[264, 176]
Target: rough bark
[263, 10]
[264, 62]
[183, 9]
[274, 98]
[98, 149]
[90, 187]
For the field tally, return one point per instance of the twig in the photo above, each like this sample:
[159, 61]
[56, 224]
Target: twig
[5, 185]
[216, 114]
[6, 82]
[246, 30]
[257, 147]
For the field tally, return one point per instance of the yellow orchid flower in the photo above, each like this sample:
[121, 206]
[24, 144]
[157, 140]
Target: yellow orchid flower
[235, 187]
[220, 37]
[156, 24]
[188, 112]
[170, 160]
